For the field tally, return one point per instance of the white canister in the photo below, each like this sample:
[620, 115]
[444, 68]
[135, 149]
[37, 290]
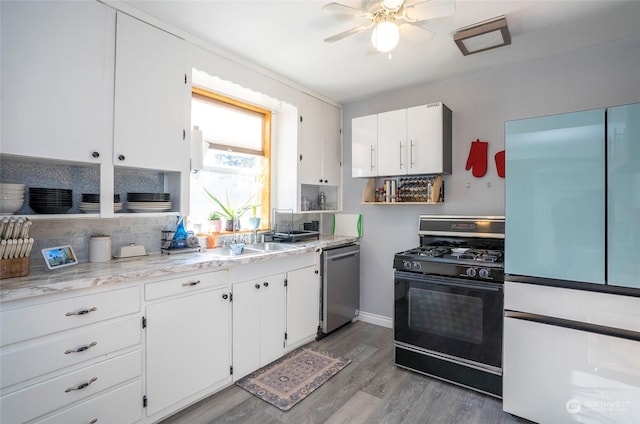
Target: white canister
[100, 248]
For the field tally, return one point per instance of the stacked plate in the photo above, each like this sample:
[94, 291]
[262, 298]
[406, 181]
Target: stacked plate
[50, 200]
[148, 202]
[91, 202]
[11, 198]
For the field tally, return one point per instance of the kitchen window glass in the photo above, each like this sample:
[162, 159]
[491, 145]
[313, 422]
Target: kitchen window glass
[236, 162]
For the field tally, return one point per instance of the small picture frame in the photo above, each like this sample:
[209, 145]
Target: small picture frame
[59, 256]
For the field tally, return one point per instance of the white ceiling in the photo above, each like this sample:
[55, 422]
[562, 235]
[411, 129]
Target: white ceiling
[286, 37]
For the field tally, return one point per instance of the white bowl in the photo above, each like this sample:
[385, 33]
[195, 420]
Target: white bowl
[11, 191]
[11, 196]
[10, 206]
[11, 186]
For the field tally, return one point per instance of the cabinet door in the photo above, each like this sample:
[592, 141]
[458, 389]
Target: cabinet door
[57, 80]
[392, 145]
[554, 197]
[303, 304]
[246, 327]
[152, 98]
[331, 145]
[272, 318]
[311, 130]
[364, 146]
[424, 140]
[187, 346]
[623, 195]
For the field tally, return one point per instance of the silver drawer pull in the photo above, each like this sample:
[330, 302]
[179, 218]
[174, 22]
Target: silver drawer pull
[80, 349]
[82, 386]
[81, 312]
[93, 421]
[191, 283]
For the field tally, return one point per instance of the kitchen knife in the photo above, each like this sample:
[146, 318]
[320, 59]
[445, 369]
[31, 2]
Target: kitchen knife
[19, 249]
[8, 230]
[11, 248]
[3, 223]
[3, 247]
[17, 228]
[29, 247]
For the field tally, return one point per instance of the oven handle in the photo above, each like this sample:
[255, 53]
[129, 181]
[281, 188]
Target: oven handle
[448, 281]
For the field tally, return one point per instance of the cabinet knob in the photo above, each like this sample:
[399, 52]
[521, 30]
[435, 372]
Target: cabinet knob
[316, 272]
[257, 286]
[120, 157]
[326, 181]
[320, 180]
[266, 284]
[95, 154]
[225, 296]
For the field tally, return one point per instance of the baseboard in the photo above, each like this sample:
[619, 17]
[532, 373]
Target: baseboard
[375, 319]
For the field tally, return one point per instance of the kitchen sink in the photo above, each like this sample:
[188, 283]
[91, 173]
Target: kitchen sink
[227, 252]
[270, 247]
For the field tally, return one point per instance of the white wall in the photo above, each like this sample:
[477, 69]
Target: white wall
[591, 78]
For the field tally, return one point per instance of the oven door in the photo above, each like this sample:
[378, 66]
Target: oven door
[450, 317]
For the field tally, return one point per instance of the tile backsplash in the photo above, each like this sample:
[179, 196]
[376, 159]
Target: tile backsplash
[144, 231]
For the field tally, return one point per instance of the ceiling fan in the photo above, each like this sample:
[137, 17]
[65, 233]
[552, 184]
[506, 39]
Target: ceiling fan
[392, 18]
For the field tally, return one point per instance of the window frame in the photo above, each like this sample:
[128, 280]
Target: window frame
[265, 194]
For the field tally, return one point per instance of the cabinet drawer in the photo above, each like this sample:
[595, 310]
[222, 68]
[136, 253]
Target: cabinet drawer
[37, 400]
[185, 284]
[45, 318]
[122, 406]
[37, 359]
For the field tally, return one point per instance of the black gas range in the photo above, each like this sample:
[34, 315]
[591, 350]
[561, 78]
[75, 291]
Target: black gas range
[449, 299]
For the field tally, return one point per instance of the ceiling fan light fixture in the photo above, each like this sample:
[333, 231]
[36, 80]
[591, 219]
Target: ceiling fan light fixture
[392, 5]
[385, 36]
[483, 36]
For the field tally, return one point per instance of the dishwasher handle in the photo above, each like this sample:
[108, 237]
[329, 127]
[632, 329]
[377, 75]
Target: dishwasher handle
[342, 255]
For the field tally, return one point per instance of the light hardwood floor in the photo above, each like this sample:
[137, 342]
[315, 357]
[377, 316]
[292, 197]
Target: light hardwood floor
[370, 390]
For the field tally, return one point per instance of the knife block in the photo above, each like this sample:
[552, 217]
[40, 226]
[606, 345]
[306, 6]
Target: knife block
[16, 267]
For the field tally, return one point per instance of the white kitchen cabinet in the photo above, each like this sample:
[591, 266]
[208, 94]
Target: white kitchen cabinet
[258, 323]
[320, 142]
[152, 98]
[364, 146]
[57, 80]
[303, 305]
[187, 339]
[392, 142]
[309, 161]
[69, 350]
[413, 141]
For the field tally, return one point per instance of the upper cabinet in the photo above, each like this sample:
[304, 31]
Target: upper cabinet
[320, 142]
[308, 162]
[409, 141]
[364, 146]
[57, 80]
[152, 98]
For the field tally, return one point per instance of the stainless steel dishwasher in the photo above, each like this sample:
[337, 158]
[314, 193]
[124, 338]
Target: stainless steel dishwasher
[340, 294]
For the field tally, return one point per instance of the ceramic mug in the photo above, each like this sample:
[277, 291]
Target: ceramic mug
[100, 248]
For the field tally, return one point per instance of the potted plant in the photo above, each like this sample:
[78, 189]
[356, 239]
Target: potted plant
[254, 221]
[229, 212]
[215, 224]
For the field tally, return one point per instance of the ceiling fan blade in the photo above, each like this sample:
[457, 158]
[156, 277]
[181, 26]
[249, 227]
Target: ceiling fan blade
[428, 9]
[347, 10]
[415, 34]
[347, 33]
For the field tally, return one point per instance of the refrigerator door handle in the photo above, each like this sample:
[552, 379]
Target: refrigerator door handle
[575, 325]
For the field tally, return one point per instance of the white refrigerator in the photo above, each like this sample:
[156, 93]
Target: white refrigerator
[572, 267]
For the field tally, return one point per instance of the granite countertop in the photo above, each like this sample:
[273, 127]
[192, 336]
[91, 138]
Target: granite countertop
[41, 281]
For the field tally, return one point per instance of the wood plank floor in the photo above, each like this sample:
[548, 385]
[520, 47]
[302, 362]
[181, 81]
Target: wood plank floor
[370, 390]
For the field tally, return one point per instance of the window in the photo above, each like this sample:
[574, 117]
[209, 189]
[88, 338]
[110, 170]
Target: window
[237, 160]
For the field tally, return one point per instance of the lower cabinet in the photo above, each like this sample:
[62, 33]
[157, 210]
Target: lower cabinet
[258, 323]
[187, 341]
[303, 305]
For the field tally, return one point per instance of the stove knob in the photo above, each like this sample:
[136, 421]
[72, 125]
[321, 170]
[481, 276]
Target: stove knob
[484, 273]
[417, 266]
[406, 264]
[471, 272]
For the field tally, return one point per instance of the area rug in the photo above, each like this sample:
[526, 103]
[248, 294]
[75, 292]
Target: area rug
[286, 381]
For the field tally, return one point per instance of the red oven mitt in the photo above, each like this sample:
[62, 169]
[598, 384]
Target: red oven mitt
[500, 163]
[478, 158]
